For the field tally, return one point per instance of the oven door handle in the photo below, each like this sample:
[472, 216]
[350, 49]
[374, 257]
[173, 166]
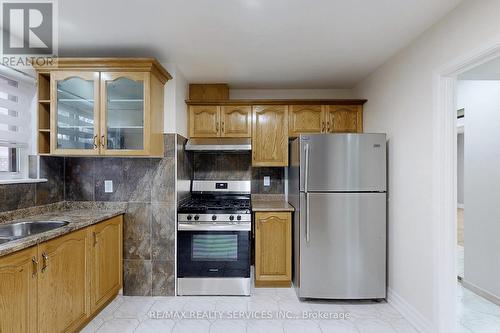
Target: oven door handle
[214, 226]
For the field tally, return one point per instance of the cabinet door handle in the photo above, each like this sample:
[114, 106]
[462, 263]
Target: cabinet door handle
[328, 126]
[95, 141]
[103, 141]
[35, 266]
[45, 261]
[323, 129]
[95, 238]
[217, 127]
[223, 128]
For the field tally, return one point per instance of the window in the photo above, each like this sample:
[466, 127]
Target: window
[15, 127]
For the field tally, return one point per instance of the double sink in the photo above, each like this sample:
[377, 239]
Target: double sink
[18, 230]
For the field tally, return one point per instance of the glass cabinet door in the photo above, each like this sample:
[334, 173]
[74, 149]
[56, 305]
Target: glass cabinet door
[124, 122]
[75, 120]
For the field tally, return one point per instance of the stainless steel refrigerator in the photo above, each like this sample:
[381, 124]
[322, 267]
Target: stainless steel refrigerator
[337, 184]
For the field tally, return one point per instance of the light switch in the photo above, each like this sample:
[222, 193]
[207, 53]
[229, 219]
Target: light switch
[108, 186]
[267, 181]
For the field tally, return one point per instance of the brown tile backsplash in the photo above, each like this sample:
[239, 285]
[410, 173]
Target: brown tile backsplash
[237, 166]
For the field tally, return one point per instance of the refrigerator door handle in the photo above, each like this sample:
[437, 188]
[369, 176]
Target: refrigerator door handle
[306, 171]
[307, 218]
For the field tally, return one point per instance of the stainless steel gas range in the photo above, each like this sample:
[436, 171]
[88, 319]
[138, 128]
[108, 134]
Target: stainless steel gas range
[214, 239]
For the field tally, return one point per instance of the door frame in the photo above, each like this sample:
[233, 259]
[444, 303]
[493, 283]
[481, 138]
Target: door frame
[444, 178]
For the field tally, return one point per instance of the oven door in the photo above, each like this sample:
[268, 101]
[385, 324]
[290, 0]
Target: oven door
[213, 252]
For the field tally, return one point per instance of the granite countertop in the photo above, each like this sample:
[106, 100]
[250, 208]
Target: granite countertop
[270, 203]
[78, 214]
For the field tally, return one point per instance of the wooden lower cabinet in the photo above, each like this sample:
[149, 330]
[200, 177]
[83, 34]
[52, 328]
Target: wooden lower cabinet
[273, 249]
[61, 284]
[106, 255]
[63, 287]
[18, 291]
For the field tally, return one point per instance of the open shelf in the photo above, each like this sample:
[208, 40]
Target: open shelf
[43, 113]
[43, 116]
[43, 142]
[43, 87]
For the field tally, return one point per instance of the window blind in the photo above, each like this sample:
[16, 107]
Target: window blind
[15, 100]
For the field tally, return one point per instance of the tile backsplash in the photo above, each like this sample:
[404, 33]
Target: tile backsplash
[237, 166]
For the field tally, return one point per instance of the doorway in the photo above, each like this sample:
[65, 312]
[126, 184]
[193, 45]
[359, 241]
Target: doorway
[468, 287]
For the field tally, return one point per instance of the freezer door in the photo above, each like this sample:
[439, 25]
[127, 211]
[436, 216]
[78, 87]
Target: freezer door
[345, 257]
[343, 162]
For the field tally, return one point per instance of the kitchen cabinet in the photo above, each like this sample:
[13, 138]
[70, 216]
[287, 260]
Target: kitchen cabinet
[344, 119]
[306, 119]
[106, 258]
[273, 249]
[101, 106]
[204, 121]
[63, 286]
[75, 120]
[270, 135]
[210, 121]
[236, 121]
[18, 291]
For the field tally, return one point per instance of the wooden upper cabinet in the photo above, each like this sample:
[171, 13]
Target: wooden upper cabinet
[270, 135]
[204, 121]
[18, 291]
[101, 106]
[125, 113]
[74, 118]
[63, 286]
[344, 118]
[236, 121]
[306, 119]
[106, 256]
[273, 249]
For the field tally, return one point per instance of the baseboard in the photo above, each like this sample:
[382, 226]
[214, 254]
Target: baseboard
[411, 314]
[461, 206]
[481, 292]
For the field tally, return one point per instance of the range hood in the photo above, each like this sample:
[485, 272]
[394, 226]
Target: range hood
[219, 144]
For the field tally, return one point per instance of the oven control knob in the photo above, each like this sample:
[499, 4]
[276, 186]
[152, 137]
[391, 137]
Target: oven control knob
[231, 218]
[196, 217]
[189, 217]
[238, 217]
[214, 217]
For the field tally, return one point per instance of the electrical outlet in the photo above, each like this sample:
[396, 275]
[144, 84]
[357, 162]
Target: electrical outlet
[108, 186]
[267, 181]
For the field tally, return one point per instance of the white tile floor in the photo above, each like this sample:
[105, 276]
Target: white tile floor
[476, 314]
[130, 314]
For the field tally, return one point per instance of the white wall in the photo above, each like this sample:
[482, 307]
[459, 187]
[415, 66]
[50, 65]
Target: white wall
[482, 181]
[290, 93]
[400, 103]
[176, 92]
[460, 170]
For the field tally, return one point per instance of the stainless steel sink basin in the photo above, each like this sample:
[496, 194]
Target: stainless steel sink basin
[16, 230]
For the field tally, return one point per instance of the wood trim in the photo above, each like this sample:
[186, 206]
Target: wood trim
[279, 102]
[60, 76]
[108, 65]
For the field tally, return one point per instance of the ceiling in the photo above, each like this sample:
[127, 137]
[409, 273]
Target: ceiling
[251, 43]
